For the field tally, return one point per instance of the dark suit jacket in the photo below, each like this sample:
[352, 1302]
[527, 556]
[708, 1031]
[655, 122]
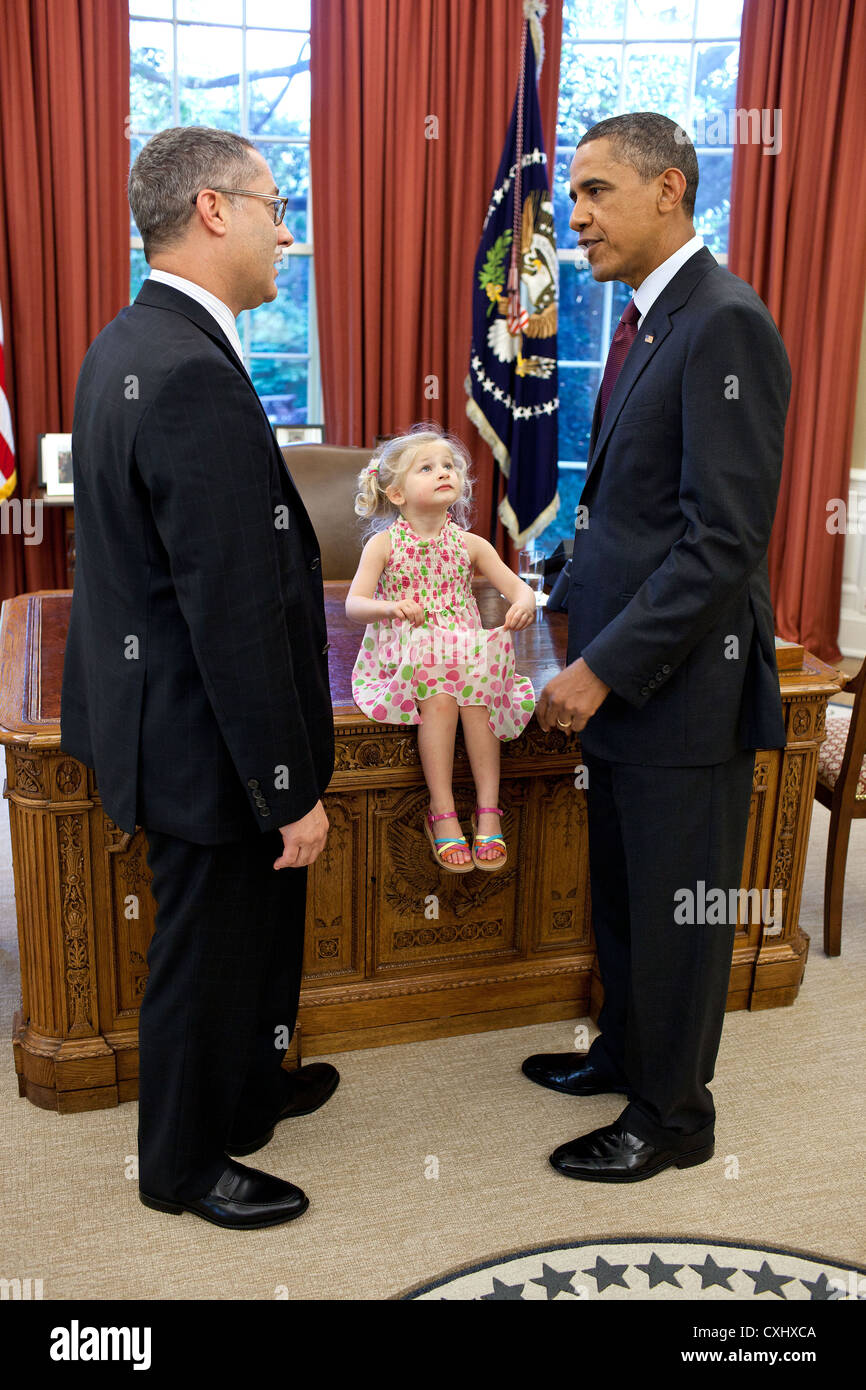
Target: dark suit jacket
[195, 680]
[681, 492]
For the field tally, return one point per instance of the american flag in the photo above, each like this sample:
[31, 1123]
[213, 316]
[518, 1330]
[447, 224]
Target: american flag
[7, 439]
[512, 382]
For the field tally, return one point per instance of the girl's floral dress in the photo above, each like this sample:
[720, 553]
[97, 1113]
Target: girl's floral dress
[451, 653]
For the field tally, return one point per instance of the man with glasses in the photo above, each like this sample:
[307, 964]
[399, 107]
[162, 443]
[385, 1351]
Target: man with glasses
[196, 675]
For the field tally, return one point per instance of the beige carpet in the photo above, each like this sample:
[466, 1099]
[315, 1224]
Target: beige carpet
[789, 1096]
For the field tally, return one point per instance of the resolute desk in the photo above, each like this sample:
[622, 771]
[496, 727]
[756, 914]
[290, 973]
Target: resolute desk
[396, 950]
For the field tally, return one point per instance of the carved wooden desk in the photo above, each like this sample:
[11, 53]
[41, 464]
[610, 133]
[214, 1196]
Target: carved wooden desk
[395, 949]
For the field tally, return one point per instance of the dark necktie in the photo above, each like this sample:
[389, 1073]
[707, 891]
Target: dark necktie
[626, 332]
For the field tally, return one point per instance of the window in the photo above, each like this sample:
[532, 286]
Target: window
[678, 57]
[243, 65]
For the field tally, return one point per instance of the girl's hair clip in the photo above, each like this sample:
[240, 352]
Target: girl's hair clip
[372, 466]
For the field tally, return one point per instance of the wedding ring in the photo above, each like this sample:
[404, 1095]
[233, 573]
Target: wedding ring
[564, 726]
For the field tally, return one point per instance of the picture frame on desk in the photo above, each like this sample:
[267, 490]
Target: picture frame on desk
[299, 434]
[55, 467]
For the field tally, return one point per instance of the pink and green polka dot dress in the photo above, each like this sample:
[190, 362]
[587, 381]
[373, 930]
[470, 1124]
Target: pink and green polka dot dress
[451, 653]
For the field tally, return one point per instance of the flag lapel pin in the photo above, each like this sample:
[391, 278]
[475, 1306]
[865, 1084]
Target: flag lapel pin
[648, 338]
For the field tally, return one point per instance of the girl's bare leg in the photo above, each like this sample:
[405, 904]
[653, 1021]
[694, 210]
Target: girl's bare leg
[482, 747]
[436, 750]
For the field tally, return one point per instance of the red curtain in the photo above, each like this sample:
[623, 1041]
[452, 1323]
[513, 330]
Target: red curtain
[410, 106]
[64, 228]
[798, 235]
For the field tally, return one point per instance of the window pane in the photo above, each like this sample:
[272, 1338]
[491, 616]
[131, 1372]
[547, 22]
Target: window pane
[569, 485]
[150, 9]
[653, 40]
[282, 385]
[278, 76]
[578, 387]
[562, 204]
[213, 11]
[620, 296]
[715, 85]
[151, 61]
[135, 144]
[581, 314]
[713, 203]
[657, 79]
[281, 326]
[593, 19]
[720, 18]
[138, 273]
[288, 14]
[290, 166]
[209, 65]
[656, 19]
[588, 90]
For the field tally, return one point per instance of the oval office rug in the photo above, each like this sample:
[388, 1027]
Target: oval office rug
[643, 1267]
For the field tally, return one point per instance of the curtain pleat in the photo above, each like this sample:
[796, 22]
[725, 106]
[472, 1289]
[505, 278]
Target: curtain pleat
[64, 228]
[410, 106]
[797, 236]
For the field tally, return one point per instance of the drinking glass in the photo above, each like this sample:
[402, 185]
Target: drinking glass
[531, 571]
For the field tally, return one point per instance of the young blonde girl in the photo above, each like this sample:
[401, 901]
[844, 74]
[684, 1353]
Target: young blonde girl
[425, 657]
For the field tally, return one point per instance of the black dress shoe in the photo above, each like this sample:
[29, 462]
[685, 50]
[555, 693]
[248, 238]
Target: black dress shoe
[572, 1073]
[612, 1154]
[309, 1087]
[244, 1199]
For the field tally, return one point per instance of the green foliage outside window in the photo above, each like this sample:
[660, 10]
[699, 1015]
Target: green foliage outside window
[617, 59]
[212, 89]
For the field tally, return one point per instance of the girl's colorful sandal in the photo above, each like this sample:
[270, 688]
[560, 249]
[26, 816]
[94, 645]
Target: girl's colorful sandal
[489, 865]
[445, 843]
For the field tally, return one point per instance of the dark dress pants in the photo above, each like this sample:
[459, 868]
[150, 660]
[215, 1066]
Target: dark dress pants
[652, 832]
[225, 971]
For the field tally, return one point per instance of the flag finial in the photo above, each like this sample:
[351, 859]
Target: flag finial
[534, 11]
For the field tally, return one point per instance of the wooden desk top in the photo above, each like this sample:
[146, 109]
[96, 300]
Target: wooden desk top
[33, 636]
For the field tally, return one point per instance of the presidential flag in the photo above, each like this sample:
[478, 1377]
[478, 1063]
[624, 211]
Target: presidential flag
[7, 441]
[512, 382]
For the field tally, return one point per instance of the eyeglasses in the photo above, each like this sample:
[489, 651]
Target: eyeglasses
[280, 204]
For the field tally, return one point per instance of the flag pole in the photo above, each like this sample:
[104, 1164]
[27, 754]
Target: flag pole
[494, 503]
[513, 283]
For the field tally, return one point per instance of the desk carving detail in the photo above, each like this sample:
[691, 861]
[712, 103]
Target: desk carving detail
[395, 949]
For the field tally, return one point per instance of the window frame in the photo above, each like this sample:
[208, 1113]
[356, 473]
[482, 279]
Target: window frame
[571, 254]
[138, 13]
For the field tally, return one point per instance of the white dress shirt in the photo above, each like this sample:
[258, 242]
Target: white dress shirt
[215, 307]
[649, 289]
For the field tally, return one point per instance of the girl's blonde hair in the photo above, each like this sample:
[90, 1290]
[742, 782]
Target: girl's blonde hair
[390, 465]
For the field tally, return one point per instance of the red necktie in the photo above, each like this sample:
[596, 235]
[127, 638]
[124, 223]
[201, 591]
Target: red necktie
[626, 332]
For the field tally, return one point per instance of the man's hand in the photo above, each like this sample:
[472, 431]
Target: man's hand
[304, 839]
[571, 698]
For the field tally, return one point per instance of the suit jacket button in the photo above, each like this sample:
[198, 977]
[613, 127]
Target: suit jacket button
[644, 690]
[325, 648]
[264, 812]
[667, 670]
[659, 675]
[314, 564]
[252, 782]
[651, 684]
